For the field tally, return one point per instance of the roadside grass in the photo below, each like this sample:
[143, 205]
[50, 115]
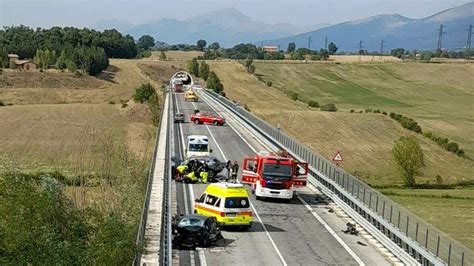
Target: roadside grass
[365, 140]
[450, 210]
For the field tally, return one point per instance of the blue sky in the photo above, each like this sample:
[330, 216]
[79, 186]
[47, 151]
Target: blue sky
[40, 13]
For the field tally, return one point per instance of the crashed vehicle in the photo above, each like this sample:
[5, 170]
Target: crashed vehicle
[215, 166]
[195, 230]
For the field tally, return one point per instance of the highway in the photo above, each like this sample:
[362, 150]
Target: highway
[282, 233]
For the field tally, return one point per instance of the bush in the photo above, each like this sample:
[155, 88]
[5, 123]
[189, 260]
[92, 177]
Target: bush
[144, 93]
[2, 103]
[452, 147]
[410, 124]
[269, 83]
[330, 107]
[293, 95]
[376, 111]
[395, 116]
[368, 110]
[251, 69]
[439, 180]
[352, 111]
[111, 102]
[384, 113]
[313, 104]
[246, 107]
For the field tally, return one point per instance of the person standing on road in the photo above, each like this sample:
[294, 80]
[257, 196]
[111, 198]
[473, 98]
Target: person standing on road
[234, 171]
[227, 166]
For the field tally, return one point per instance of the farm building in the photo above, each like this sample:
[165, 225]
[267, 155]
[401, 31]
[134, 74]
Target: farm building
[271, 49]
[24, 65]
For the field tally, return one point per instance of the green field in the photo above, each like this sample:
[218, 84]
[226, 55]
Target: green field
[439, 96]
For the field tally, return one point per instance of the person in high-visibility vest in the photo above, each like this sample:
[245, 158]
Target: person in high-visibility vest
[191, 176]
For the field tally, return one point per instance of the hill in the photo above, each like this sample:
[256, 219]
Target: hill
[227, 26]
[396, 30]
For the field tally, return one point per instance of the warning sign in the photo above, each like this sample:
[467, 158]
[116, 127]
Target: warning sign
[337, 158]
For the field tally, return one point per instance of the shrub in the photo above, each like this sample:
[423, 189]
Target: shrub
[124, 105]
[368, 110]
[269, 83]
[360, 112]
[376, 111]
[293, 95]
[439, 180]
[2, 103]
[111, 102]
[395, 116]
[410, 124]
[251, 69]
[246, 107]
[452, 147]
[330, 107]
[384, 113]
[313, 104]
[352, 111]
[9, 104]
[144, 93]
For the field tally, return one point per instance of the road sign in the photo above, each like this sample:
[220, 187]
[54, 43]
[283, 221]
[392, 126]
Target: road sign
[337, 158]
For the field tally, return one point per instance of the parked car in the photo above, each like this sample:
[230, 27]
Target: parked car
[179, 118]
[207, 118]
[194, 230]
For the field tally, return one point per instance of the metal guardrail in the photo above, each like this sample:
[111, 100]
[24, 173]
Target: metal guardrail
[427, 244]
[141, 229]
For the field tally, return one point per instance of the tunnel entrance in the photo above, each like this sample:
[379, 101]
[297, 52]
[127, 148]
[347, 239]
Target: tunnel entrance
[184, 77]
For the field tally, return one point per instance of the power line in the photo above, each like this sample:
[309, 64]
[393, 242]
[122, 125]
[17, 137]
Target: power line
[440, 36]
[361, 46]
[469, 35]
[382, 46]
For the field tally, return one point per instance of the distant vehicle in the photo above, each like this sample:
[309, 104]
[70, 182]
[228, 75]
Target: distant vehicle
[228, 202]
[191, 96]
[214, 164]
[197, 87]
[206, 118]
[197, 145]
[177, 85]
[179, 118]
[274, 175]
[193, 231]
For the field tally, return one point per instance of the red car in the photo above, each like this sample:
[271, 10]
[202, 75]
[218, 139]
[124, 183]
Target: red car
[204, 118]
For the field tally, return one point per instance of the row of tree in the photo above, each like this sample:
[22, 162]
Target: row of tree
[203, 71]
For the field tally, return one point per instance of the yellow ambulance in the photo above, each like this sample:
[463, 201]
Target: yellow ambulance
[228, 202]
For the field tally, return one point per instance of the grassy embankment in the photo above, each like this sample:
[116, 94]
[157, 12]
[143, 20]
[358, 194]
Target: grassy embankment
[90, 131]
[438, 96]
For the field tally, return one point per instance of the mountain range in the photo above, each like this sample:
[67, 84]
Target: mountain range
[394, 29]
[230, 27]
[227, 26]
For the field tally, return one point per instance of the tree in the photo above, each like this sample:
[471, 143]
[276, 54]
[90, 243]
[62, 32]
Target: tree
[61, 63]
[409, 158]
[162, 55]
[215, 46]
[201, 44]
[291, 47]
[146, 42]
[332, 48]
[398, 52]
[144, 93]
[193, 67]
[297, 55]
[214, 83]
[204, 70]
[323, 54]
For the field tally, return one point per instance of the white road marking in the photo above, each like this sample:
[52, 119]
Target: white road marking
[329, 229]
[251, 205]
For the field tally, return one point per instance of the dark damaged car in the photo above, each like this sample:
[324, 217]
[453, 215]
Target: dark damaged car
[194, 230]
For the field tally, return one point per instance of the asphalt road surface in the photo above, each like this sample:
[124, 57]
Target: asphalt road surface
[281, 234]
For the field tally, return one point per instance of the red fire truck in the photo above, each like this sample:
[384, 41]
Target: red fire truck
[274, 175]
[178, 85]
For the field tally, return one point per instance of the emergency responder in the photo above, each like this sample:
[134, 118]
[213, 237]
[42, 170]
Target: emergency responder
[204, 172]
[234, 171]
[227, 166]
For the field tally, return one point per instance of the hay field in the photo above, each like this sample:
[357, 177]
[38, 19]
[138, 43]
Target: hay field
[176, 55]
[57, 119]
